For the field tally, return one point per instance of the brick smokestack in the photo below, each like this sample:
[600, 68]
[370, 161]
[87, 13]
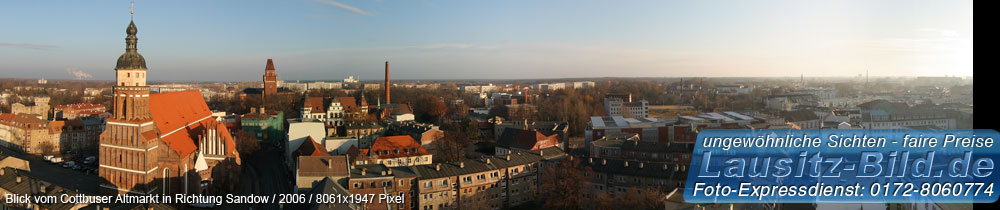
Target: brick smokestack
[387, 101]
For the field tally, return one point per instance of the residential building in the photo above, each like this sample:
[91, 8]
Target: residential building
[337, 109]
[732, 90]
[342, 109]
[628, 147]
[313, 108]
[498, 182]
[425, 134]
[18, 182]
[268, 128]
[546, 127]
[301, 131]
[326, 187]
[619, 176]
[364, 132]
[68, 135]
[622, 105]
[340, 145]
[74, 111]
[791, 102]
[514, 140]
[480, 88]
[380, 179]
[393, 151]
[881, 114]
[40, 108]
[324, 85]
[802, 119]
[25, 132]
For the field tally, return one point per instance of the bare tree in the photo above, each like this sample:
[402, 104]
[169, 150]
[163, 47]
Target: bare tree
[564, 185]
[644, 198]
[246, 143]
[47, 148]
[604, 201]
[452, 146]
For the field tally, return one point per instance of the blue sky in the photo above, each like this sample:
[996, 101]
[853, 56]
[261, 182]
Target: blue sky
[225, 40]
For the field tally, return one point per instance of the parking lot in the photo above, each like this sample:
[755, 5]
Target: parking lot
[78, 180]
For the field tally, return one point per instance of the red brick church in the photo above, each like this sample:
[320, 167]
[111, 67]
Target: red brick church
[162, 143]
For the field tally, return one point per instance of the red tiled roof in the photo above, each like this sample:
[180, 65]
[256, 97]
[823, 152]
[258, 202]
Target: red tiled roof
[28, 121]
[525, 139]
[396, 146]
[92, 112]
[316, 103]
[312, 166]
[310, 148]
[349, 103]
[56, 124]
[5, 118]
[181, 117]
[80, 106]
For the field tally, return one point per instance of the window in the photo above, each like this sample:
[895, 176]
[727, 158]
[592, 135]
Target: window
[358, 185]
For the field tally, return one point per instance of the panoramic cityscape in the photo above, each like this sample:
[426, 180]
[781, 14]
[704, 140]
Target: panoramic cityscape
[444, 133]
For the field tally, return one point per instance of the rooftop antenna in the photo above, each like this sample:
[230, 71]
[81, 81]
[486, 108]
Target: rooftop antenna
[131, 10]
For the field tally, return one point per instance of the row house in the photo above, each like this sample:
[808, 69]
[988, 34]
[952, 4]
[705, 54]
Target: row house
[617, 176]
[628, 147]
[379, 179]
[39, 109]
[498, 182]
[392, 151]
[425, 134]
[69, 133]
[24, 132]
[515, 140]
[74, 111]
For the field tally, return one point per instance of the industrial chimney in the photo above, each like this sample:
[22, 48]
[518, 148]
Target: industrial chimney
[387, 101]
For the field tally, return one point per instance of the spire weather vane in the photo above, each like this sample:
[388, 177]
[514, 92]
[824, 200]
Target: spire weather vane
[131, 9]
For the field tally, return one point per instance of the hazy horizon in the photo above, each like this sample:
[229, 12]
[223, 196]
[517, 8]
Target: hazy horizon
[429, 40]
[567, 79]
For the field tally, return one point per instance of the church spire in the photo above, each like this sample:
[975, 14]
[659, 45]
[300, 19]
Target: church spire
[131, 40]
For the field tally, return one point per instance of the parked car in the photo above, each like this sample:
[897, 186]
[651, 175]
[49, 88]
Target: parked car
[69, 164]
[89, 160]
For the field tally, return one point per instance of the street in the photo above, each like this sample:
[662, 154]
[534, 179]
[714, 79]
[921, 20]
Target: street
[263, 174]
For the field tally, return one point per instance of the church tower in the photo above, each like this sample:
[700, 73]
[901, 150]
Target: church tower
[128, 159]
[270, 79]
